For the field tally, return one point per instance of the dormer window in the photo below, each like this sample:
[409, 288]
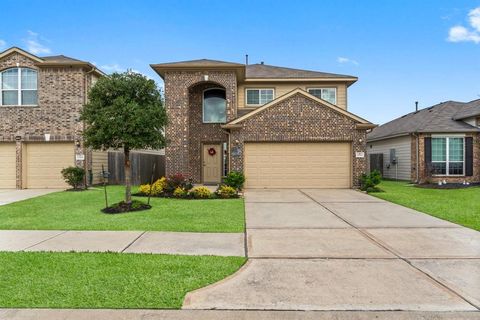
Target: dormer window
[214, 106]
[18, 87]
[327, 94]
[258, 97]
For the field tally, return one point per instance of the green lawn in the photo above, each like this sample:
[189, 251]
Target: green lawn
[460, 206]
[81, 211]
[106, 280]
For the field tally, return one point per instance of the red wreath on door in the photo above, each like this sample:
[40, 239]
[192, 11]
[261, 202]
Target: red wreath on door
[212, 151]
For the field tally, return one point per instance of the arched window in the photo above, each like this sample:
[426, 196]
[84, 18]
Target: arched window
[18, 87]
[214, 106]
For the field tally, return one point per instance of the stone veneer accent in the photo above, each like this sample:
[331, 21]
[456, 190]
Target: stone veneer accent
[61, 96]
[186, 131]
[300, 119]
[423, 177]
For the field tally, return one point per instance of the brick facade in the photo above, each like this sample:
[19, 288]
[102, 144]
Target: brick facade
[186, 132]
[61, 96]
[295, 119]
[424, 177]
[300, 119]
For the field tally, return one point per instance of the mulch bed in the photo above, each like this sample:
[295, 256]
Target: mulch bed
[123, 207]
[446, 186]
[166, 196]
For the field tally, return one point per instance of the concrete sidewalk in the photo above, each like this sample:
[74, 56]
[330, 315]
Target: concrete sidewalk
[332, 250]
[108, 314]
[187, 243]
[13, 195]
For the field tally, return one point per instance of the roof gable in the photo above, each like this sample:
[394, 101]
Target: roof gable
[21, 52]
[273, 103]
[48, 61]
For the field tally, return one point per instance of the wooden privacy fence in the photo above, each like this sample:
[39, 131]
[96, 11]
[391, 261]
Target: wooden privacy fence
[142, 165]
[376, 162]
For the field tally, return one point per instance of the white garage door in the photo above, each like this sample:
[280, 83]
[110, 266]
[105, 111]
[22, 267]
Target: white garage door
[298, 165]
[7, 165]
[45, 161]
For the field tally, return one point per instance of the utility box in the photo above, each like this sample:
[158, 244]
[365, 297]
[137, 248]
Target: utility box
[393, 156]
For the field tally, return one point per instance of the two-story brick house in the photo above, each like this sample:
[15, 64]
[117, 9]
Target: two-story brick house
[284, 128]
[40, 130]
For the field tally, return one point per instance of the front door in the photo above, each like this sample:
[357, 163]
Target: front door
[212, 163]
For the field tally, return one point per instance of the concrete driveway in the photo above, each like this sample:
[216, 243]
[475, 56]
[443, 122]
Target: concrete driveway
[13, 195]
[344, 250]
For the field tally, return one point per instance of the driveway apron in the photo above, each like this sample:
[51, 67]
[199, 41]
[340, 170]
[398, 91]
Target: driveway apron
[339, 250]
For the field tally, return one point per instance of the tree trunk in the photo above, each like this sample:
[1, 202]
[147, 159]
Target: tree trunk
[128, 176]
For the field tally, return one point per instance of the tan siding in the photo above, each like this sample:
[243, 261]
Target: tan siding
[99, 158]
[283, 88]
[298, 165]
[402, 146]
[7, 165]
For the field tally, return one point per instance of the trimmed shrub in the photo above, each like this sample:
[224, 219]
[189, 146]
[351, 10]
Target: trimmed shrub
[144, 189]
[226, 192]
[159, 186]
[235, 179]
[73, 176]
[369, 182]
[201, 193]
[180, 193]
[177, 180]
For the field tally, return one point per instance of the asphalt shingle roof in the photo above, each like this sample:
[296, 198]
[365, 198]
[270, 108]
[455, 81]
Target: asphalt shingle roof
[470, 109]
[260, 71]
[60, 59]
[438, 118]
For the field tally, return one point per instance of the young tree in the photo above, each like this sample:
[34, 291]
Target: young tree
[125, 110]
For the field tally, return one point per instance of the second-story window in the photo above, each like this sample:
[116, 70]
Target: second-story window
[327, 94]
[18, 87]
[214, 106]
[258, 97]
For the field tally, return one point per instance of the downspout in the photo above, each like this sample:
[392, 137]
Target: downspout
[85, 93]
[228, 148]
[417, 155]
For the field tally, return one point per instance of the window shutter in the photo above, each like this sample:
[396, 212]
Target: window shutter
[469, 156]
[428, 151]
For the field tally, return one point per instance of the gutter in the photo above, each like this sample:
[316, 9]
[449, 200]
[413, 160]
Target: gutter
[388, 137]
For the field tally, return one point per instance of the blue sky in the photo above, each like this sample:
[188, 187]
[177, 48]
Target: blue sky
[402, 51]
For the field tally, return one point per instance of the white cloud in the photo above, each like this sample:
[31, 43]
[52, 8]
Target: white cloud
[474, 17]
[34, 45]
[3, 44]
[344, 60]
[462, 34]
[467, 34]
[115, 67]
[110, 68]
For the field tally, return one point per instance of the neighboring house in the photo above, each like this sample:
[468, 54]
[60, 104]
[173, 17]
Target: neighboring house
[282, 127]
[432, 144]
[40, 130]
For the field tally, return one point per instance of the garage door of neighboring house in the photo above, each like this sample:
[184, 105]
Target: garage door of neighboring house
[298, 165]
[7, 165]
[45, 161]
